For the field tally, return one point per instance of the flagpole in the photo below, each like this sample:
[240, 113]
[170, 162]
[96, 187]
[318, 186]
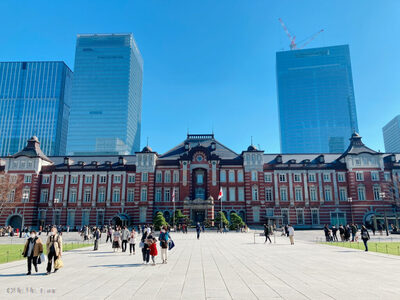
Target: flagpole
[173, 201]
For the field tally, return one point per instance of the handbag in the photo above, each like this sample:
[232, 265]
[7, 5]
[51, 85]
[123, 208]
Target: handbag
[42, 258]
[171, 244]
[141, 245]
[58, 264]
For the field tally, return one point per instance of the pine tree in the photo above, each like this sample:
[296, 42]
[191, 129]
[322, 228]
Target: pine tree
[217, 220]
[159, 221]
[236, 221]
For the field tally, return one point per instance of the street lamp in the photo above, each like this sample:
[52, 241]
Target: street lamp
[382, 197]
[350, 200]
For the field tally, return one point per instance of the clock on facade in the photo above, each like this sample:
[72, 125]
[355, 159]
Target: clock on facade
[199, 158]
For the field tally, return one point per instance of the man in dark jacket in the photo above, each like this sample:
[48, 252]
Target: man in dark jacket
[266, 232]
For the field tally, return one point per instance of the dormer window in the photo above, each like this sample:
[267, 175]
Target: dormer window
[81, 163]
[95, 163]
[213, 146]
[279, 159]
[30, 164]
[186, 146]
[66, 161]
[121, 161]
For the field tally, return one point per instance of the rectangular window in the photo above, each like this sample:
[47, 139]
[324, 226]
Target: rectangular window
[232, 194]
[312, 177]
[102, 179]
[267, 177]
[199, 178]
[74, 179]
[359, 176]
[254, 175]
[143, 194]
[342, 194]
[117, 178]
[131, 178]
[240, 176]
[254, 192]
[85, 217]
[297, 177]
[25, 195]
[27, 178]
[375, 176]
[176, 194]
[87, 195]
[176, 176]
[341, 177]
[142, 214]
[58, 196]
[313, 194]
[315, 216]
[298, 194]
[11, 196]
[283, 192]
[270, 212]
[327, 177]
[285, 216]
[377, 191]
[231, 176]
[60, 179]
[241, 194]
[387, 176]
[300, 216]
[131, 195]
[116, 197]
[222, 176]
[46, 179]
[158, 177]
[361, 193]
[71, 218]
[282, 177]
[328, 194]
[268, 194]
[158, 195]
[101, 197]
[167, 195]
[88, 179]
[223, 194]
[44, 196]
[72, 196]
[167, 177]
[100, 218]
[145, 177]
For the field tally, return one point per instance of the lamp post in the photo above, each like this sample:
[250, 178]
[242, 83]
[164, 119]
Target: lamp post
[350, 200]
[382, 197]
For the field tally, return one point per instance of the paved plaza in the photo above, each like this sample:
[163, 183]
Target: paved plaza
[228, 266]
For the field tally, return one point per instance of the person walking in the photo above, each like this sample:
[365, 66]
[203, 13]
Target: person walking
[291, 234]
[125, 236]
[96, 236]
[32, 249]
[266, 233]
[116, 240]
[353, 232]
[153, 249]
[164, 239]
[326, 231]
[365, 236]
[341, 232]
[54, 249]
[132, 241]
[145, 247]
[109, 234]
[334, 233]
[198, 230]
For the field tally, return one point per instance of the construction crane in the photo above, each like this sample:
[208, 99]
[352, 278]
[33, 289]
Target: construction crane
[293, 45]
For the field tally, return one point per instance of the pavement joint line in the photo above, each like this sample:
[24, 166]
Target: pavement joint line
[184, 281]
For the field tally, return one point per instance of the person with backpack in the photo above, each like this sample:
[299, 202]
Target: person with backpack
[365, 236]
[54, 249]
[164, 239]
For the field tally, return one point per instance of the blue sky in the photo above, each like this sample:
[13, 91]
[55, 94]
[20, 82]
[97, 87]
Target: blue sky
[211, 64]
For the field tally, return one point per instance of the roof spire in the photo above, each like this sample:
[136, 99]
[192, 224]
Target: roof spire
[147, 142]
[251, 139]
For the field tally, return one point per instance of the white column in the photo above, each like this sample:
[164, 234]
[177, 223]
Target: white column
[184, 176]
[276, 189]
[66, 187]
[291, 198]
[109, 189]
[335, 188]
[214, 173]
[306, 197]
[51, 196]
[94, 189]
[80, 189]
[321, 191]
[123, 178]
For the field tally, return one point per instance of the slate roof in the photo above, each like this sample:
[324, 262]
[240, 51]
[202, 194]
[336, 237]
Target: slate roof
[32, 150]
[357, 147]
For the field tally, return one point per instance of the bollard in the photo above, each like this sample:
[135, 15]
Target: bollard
[376, 247]
[386, 249]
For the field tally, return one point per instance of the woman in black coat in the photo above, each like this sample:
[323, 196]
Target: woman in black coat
[365, 236]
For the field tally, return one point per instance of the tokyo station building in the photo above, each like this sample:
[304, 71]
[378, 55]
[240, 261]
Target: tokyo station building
[306, 190]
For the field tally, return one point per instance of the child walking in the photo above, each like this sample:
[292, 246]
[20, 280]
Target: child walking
[153, 250]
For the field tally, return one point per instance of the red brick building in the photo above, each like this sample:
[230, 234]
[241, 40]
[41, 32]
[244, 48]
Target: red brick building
[307, 190]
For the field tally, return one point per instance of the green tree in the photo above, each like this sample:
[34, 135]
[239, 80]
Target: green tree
[159, 221]
[236, 221]
[180, 218]
[217, 220]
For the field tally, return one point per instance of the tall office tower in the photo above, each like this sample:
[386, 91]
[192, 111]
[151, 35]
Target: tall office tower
[391, 135]
[34, 100]
[106, 95]
[317, 110]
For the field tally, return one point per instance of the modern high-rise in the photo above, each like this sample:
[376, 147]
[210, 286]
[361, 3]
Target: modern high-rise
[106, 95]
[317, 110]
[34, 101]
[391, 135]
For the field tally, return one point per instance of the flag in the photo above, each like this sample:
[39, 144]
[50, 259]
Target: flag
[173, 195]
[220, 194]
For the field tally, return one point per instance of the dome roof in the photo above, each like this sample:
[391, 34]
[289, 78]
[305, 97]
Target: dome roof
[251, 148]
[147, 149]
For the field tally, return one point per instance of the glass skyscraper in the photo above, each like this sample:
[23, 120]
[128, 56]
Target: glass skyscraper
[317, 110]
[34, 100]
[391, 135]
[106, 95]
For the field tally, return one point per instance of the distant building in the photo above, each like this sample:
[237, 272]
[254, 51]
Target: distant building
[317, 110]
[391, 135]
[106, 95]
[306, 190]
[34, 100]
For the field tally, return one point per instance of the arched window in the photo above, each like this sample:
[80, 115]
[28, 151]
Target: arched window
[254, 193]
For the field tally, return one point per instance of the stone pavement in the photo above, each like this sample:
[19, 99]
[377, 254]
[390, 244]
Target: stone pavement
[228, 266]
